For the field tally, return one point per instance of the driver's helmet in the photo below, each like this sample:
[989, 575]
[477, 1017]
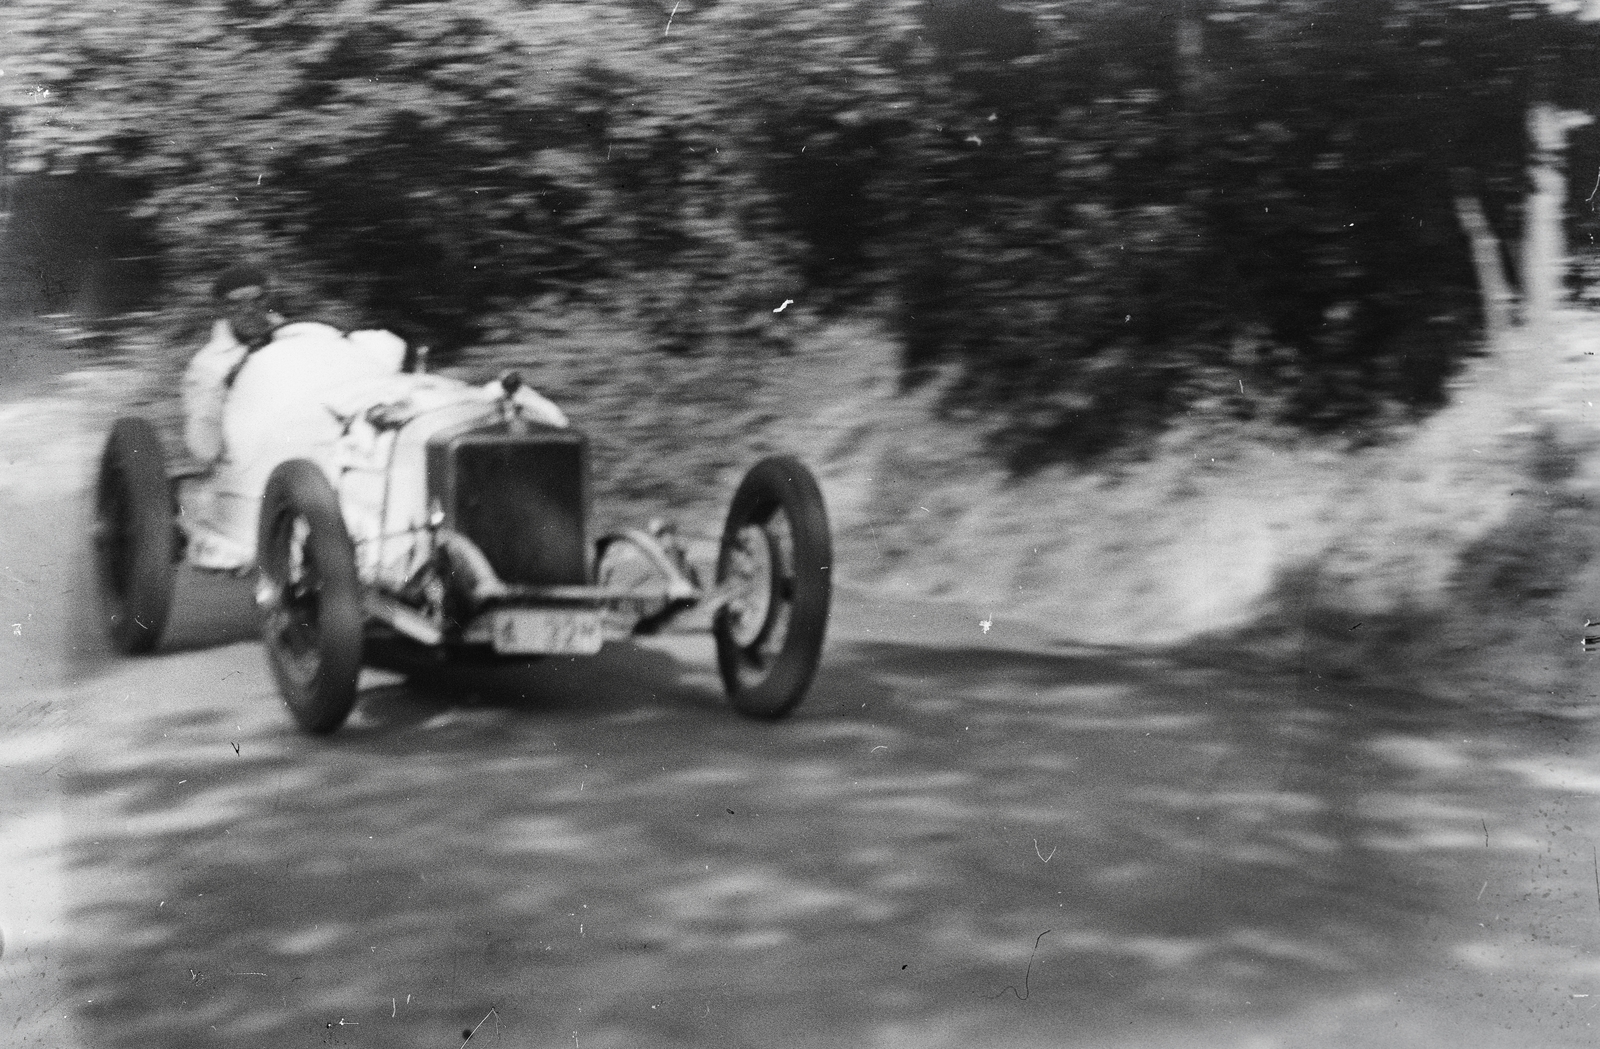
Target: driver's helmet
[243, 282]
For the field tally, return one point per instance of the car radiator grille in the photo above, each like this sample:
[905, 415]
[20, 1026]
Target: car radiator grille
[522, 501]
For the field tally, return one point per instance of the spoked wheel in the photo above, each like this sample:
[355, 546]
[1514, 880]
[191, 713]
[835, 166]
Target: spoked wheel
[775, 561]
[310, 597]
[135, 537]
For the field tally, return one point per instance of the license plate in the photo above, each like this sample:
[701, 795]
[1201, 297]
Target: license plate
[546, 632]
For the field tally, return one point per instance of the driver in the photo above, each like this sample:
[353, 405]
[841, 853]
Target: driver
[265, 390]
[307, 358]
[247, 318]
[256, 395]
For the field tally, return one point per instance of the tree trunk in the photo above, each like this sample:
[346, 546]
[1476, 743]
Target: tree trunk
[1544, 253]
[1189, 45]
[1494, 290]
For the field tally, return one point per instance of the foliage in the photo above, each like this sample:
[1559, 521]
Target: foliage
[1264, 221]
[1095, 215]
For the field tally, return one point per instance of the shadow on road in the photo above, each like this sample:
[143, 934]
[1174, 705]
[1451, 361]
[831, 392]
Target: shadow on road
[952, 843]
[208, 610]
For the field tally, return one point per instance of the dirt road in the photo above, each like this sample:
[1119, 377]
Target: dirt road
[972, 834]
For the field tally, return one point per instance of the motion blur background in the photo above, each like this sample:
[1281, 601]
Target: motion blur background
[1261, 331]
[1057, 272]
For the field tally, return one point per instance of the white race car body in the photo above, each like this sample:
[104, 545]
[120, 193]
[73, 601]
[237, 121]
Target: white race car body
[342, 403]
[390, 518]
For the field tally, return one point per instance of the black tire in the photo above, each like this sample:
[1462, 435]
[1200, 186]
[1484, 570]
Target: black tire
[135, 537]
[311, 616]
[769, 644]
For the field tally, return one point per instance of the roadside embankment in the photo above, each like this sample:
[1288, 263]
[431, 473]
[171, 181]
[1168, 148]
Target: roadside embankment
[1455, 555]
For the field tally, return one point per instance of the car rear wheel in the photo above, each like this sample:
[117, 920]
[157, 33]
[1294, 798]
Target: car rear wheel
[310, 597]
[135, 537]
[776, 559]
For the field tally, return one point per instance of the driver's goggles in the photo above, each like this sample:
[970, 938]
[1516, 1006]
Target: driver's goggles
[251, 294]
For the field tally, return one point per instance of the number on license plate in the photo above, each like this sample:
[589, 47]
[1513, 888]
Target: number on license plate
[546, 632]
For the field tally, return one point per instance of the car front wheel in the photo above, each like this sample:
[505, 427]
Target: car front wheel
[776, 563]
[310, 597]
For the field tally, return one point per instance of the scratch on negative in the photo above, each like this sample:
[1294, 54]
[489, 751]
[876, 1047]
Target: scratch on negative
[474, 1031]
[670, 18]
[1596, 874]
[1041, 855]
[1023, 996]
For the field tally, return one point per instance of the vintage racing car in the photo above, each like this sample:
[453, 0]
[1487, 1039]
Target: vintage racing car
[412, 512]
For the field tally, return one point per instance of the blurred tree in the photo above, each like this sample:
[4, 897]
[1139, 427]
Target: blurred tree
[1267, 187]
[1096, 214]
